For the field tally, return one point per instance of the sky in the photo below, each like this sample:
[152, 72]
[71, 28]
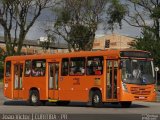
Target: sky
[37, 29]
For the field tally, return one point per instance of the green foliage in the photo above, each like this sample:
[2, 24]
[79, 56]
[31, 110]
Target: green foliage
[3, 54]
[2, 58]
[79, 36]
[18, 16]
[156, 13]
[150, 43]
[116, 13]
[46, 44]
[63, 18]
[77, 20]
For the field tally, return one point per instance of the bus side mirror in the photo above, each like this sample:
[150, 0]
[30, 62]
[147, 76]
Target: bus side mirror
[156, 69]
[120, 65]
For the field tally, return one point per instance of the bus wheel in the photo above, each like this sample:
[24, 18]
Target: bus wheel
[34, 98]
[97, 99]
[62, 103]
[126, 104]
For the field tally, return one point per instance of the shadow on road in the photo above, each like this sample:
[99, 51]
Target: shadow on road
[16, 103]
[72, 104]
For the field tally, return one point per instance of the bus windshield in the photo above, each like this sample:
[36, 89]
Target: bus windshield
[136, 71]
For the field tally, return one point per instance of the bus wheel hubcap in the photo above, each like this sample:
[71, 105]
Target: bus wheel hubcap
[96, 99]
[34, 98]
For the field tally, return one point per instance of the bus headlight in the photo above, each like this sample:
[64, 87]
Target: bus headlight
[124, 87]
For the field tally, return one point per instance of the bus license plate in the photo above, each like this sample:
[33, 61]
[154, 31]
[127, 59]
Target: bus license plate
[141, 97]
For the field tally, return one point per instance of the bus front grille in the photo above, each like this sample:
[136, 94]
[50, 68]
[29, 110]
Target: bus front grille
[140, 91]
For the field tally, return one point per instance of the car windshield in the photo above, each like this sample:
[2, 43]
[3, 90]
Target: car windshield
[137, 71]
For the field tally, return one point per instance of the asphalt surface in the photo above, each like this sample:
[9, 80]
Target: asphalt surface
[79, 111]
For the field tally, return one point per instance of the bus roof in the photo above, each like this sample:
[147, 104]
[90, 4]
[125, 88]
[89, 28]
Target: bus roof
[108, 52]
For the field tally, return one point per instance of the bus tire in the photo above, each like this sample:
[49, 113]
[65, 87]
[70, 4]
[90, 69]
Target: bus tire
[34, 98]
[126, 104]
[96, 99]
[62, 103]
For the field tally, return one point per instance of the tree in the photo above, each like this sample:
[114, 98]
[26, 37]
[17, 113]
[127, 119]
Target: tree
[47, 43]
[74, 16]
[116, 12]
[149, 42]
[77, 21]
[144, 14]
[19, 16]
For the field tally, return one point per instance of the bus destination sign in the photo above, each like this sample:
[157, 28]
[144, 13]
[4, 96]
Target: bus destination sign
[135, 54]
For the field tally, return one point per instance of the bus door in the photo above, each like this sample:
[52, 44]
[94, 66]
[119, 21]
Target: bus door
[18, 79]
[8, 80]
[111, 88]
[53, 77]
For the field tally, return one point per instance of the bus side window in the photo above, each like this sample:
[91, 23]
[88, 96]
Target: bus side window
[77, 66]
[94, 65]
[8, 68]
[38, 67]
[27, 67]
[65, 64]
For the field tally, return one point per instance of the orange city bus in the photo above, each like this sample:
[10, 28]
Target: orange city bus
[96, 77]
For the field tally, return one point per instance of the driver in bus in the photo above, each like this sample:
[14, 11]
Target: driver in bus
[136, 71]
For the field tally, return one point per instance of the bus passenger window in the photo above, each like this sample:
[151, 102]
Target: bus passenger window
[77, 66]
[8, 68]
[27, 67]
[65, 64]
[38, 67]
[94, 65]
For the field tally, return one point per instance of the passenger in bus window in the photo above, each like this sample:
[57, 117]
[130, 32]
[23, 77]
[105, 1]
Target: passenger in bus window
[77, 71]
[34, 71]
[7, 73]
[82, 70]
[42, 72]
[28, 71]
[98, 71]
[93, 67]
[72, 70]
[65, 71]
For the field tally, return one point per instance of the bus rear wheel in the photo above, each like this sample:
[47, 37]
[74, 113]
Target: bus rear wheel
[97, 99]
[62, 103]
[34, 98]
[126, 104]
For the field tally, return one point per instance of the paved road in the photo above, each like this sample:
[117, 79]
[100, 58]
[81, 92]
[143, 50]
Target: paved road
[137, 110]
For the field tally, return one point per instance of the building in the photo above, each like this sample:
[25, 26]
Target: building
[113, 41]
[34, 47]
